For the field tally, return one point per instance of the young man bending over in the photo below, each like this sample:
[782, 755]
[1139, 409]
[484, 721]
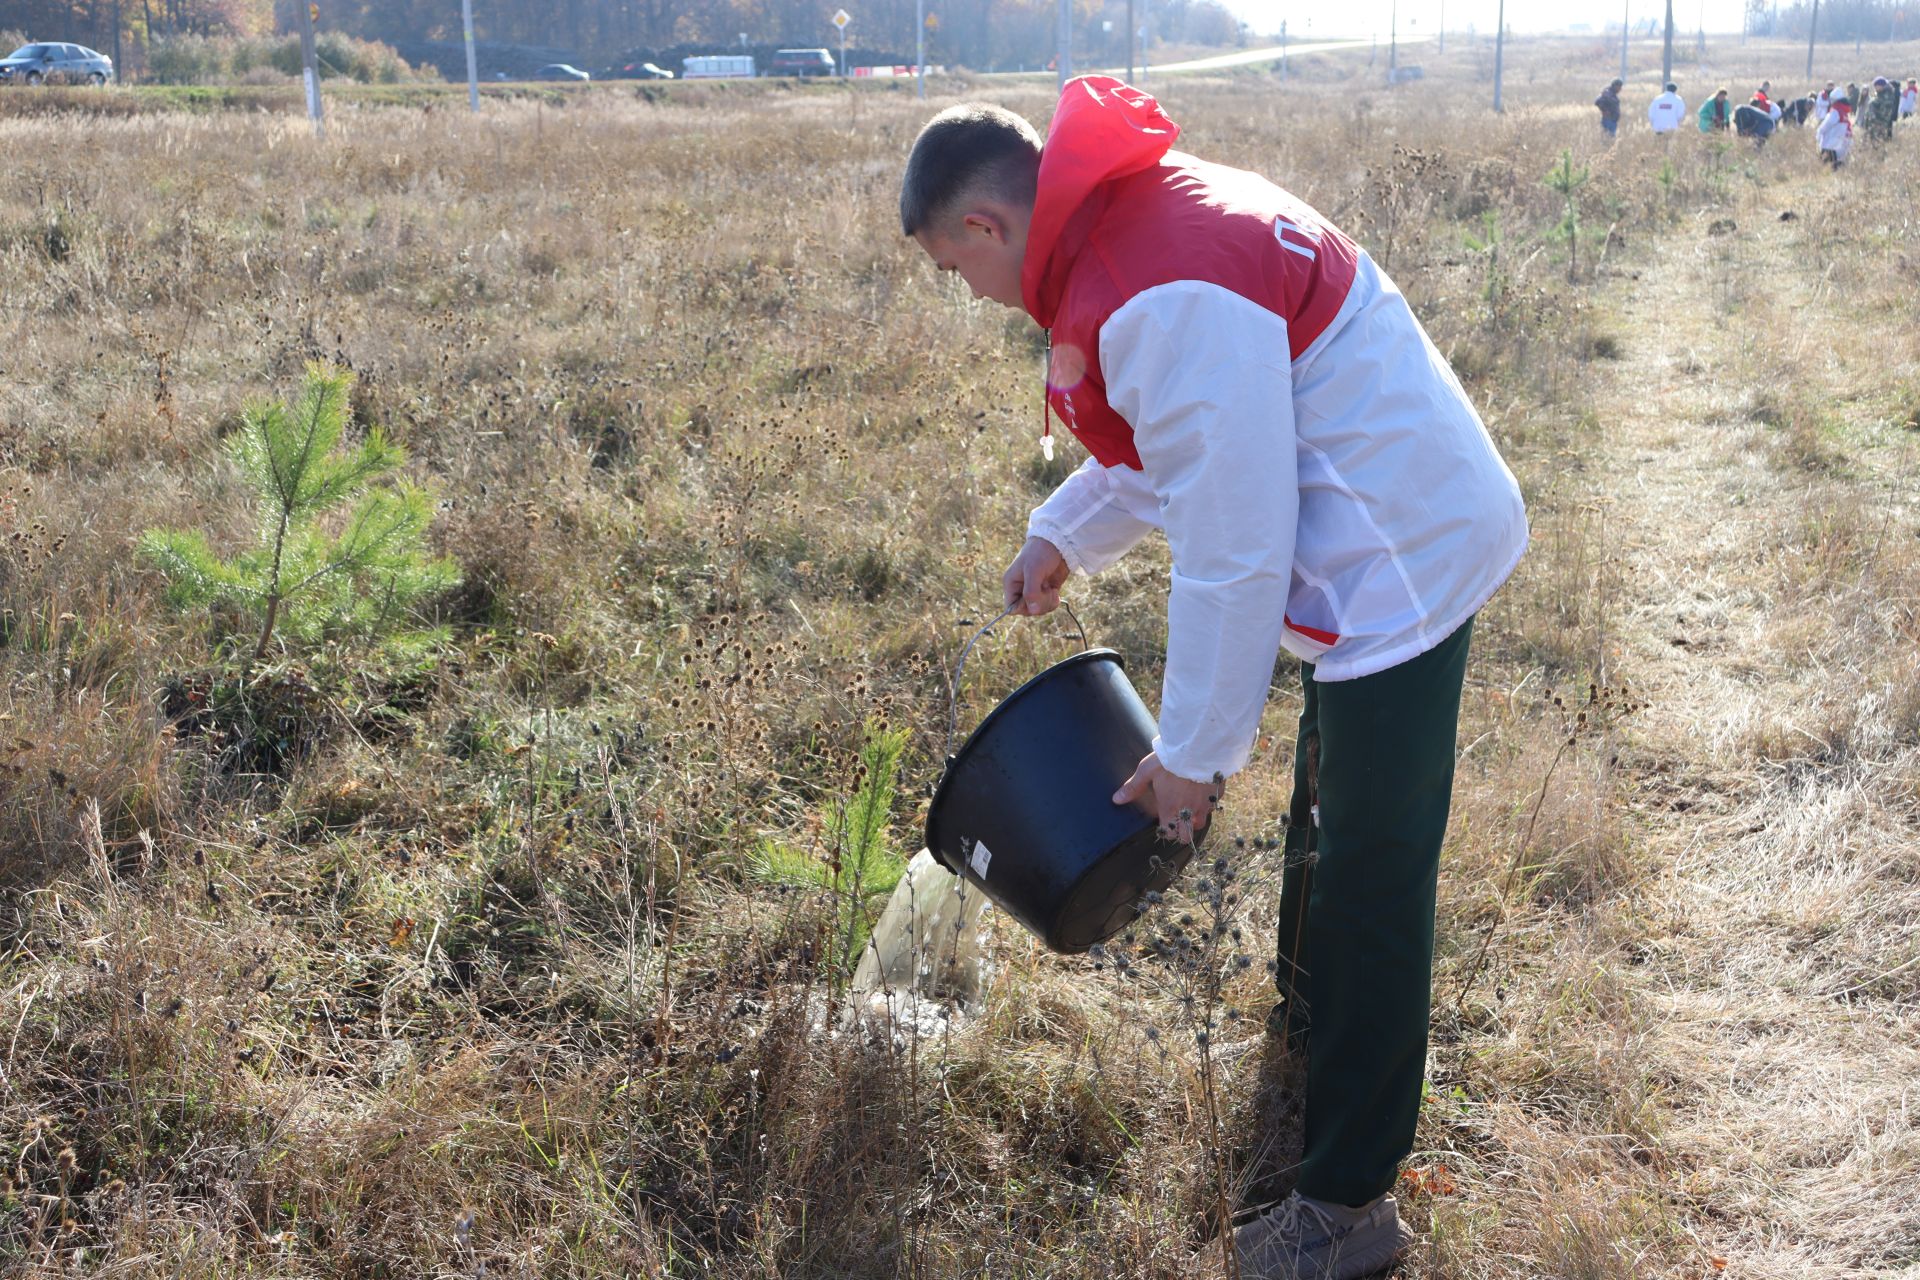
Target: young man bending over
[1249, 382]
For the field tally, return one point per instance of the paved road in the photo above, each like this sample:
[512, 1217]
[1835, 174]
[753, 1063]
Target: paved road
[1239, 58]
[1248, 57]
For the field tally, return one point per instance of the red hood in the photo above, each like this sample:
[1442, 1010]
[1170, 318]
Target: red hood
[1103, 129]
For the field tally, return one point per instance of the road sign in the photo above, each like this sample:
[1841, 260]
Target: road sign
[841, 18]
[933, 22]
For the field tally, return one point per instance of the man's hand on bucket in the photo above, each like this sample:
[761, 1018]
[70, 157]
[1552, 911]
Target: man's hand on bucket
[1184, 806]
[1034, 579]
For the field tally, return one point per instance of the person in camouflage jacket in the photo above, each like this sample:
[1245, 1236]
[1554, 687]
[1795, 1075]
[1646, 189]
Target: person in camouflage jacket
[1881, 110]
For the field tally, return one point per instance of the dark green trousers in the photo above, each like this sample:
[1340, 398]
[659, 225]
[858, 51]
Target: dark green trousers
[1373, 777]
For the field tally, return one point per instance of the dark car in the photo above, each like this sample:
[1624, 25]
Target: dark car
[560, 71]
[639, 71]
[801, 62]
[45, 62]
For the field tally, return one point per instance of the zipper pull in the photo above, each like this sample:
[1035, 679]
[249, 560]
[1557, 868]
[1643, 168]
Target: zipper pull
[1046, 401]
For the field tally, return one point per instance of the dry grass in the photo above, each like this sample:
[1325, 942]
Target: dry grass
[477, 970]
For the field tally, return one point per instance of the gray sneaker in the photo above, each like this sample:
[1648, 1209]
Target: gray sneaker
[1302, 1239]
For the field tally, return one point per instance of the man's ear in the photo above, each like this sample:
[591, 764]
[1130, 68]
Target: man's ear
[984, 222]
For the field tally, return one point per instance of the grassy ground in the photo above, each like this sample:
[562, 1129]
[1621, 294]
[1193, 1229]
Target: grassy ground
[392, 966]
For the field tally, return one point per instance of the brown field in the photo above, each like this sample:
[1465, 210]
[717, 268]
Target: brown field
[469, 963]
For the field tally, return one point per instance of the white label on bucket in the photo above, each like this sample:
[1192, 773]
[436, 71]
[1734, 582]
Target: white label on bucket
[981, 857]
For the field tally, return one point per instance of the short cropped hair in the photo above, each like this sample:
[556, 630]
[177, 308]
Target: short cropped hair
[975, 149]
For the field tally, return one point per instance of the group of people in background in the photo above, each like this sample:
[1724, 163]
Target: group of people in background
[1832, 111]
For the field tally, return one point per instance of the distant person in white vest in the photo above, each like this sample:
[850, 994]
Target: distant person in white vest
[1834, 137]
[1909, 97]
[1666, 112]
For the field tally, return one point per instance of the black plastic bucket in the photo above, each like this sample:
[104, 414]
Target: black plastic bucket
[1025, 809]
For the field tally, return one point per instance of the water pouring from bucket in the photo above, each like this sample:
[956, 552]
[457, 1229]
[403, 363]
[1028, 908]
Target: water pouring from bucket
[930, 939]
[1025, 811]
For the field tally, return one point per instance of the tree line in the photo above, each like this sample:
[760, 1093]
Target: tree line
[1837, 21]
[983, 34]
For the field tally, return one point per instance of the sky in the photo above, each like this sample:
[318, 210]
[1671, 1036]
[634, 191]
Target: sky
[1355, 16]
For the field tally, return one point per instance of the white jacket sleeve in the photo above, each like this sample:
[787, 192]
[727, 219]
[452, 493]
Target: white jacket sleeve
[1096, 515]
[1205, 378]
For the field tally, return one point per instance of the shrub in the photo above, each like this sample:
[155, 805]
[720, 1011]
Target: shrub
[187, 60]
[201, 60]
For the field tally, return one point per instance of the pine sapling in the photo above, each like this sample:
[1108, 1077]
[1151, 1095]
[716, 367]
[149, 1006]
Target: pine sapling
[307, 576]
[1567, 180]
[1487, 245]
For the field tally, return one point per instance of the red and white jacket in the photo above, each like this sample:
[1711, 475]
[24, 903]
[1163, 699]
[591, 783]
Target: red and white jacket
[1247, 380]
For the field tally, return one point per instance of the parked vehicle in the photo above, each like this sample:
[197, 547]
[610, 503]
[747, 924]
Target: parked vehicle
[47, 63]
[730, 66]
[801, 62]
[638, 71]
[561, 71]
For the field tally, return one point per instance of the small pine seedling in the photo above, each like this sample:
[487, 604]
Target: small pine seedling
[361, 577]
[1567, 180]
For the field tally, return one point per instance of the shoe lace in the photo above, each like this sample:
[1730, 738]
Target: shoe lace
[1295, 1216]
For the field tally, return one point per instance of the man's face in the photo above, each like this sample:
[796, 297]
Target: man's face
[986, 247]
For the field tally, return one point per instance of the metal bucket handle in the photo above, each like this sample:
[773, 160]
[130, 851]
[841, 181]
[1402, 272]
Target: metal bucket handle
[953, 687]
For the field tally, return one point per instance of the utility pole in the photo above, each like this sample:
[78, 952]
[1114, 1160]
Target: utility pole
[1130, 35]
[1065, 54]
[920, 46]
[1441, 52]
[1283, 48]
[1499, 52]
[1146, 40]
[473, 65]
[1666, 51]
[1813, 25]
[1626, 25]
[1393, 43]
[310, 60]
